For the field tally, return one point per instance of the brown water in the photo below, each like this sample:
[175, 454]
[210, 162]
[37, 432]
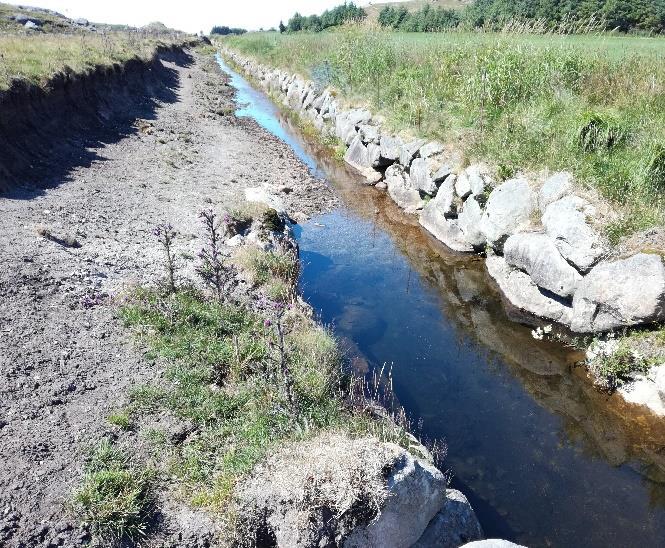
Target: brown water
[545, 458]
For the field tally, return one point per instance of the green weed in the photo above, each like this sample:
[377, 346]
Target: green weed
[116, 498]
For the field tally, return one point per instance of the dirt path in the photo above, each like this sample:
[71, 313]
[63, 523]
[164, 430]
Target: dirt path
[65, 360]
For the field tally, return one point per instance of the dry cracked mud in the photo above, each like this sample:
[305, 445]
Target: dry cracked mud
[66, 361]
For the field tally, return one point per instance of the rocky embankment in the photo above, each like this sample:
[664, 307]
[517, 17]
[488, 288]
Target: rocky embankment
[542, 246]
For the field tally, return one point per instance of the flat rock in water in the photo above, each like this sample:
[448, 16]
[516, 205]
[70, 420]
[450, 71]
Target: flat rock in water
[619, 294]
[455, 524]
[566, 223]
[508, 210]
[401, 191]
[524, 294]
[537, 255]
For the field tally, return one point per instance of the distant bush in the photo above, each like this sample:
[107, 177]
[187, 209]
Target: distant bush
[225, 31]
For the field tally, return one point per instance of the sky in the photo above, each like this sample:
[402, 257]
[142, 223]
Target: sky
[190, 15]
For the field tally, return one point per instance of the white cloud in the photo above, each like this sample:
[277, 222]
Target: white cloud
[191, 15]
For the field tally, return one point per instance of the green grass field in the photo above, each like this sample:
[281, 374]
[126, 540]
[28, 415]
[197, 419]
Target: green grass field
[591, 104]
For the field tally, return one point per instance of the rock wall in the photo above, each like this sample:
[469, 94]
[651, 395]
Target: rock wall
[542, 250]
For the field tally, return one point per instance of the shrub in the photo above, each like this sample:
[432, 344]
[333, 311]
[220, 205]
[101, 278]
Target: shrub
[599, 132]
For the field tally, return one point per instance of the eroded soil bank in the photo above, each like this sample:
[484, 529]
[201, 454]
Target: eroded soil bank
[82, 231]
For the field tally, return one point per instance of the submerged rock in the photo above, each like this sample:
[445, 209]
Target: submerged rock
[538, 256]
[509, 209]
[619, 294]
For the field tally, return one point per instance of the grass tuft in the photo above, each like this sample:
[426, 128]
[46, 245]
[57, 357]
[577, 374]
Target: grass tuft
[116, 498]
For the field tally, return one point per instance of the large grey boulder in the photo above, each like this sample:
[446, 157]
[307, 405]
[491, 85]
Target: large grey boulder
[401, 191]
[359, 116]
[294, 95]
[554, 188]
[310, 96]
[369, 133]
[537, 255]
[619, 294]
[441, 173]
[409, 150]
[471, 181]
[492, 543]
[455, 524]
[337, 491]
[469, 222]
[391, 148]
[447, 231]
[508, 210]
[417, 491]
[357, 156]
[436, 218]
[345, 129]
[565, 221]
[421, 178]
[522, 293]
[430, 149]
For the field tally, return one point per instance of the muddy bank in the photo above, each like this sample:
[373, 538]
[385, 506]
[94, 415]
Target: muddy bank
[45, 131]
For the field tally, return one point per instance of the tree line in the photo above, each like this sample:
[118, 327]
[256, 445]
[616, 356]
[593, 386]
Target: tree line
[426, 19]
[329, 18]
[621, 15]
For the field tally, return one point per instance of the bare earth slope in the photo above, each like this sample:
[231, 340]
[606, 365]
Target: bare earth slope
[65, 360]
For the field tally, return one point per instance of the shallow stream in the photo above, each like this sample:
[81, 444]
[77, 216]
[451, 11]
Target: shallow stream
[544, 458]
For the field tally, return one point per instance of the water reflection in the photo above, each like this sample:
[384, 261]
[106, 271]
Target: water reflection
[543, 456]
